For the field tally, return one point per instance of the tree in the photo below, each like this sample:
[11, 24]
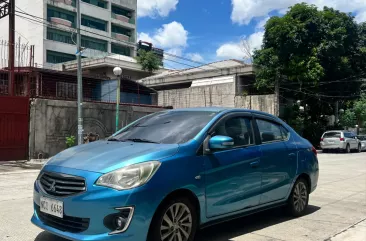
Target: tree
[246, 48]
[316, 55]
[148, 60]
[311, 47]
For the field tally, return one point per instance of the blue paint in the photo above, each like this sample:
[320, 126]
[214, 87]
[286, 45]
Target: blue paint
[232, 181]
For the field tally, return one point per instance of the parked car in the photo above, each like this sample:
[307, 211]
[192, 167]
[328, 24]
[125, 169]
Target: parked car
[170, 173]
[341, 141]
[362, 139]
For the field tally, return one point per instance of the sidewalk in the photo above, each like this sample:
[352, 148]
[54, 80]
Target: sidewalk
[356, 232]
[9, 167]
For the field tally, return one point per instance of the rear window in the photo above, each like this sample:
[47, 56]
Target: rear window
[332, 135]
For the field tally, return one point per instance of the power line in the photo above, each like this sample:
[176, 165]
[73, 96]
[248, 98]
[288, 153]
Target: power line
[125, 42]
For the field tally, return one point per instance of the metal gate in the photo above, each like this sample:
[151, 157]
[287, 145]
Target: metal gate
[14, 127]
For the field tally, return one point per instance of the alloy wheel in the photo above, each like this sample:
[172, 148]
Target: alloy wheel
[300, 197]
[176, 224]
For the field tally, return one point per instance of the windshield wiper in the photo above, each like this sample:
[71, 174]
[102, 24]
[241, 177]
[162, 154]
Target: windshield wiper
[141, 140]
[114, 139]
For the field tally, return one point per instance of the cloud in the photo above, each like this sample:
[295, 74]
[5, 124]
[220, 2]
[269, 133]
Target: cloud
[234, 50]
[195, 57]
[230, 50]
[361, 17]
[169, 36]
[154, 8]
[245, 10]
[260, 24]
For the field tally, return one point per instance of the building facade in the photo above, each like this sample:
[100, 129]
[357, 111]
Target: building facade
[228, 83]
[107, 26]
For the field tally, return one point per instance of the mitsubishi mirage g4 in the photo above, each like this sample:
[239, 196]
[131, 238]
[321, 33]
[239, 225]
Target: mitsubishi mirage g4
[166, 175]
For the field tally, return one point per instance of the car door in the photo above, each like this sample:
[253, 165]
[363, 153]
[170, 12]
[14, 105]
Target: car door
[351, 140]
[278, 160]
[233, 176]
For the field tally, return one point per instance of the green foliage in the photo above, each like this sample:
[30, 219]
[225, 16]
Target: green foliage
[70, 141]
[307, 51]
[148, 60]
[355, 115]
[348, 118]
[308, 46]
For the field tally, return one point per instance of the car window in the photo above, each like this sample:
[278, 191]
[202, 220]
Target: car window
[238, 128]
[333, 135]
[361, 138]
[285, 133]
[349, 135]
[167, 127]
[270, 131]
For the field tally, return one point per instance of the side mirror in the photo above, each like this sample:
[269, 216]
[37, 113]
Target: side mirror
[220, 143]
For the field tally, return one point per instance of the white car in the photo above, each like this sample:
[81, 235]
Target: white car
[362, 139]
[341, 141]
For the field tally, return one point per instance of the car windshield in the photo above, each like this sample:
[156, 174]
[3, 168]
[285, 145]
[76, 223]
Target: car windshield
[168, 127]
[362, 138]
[332, 135]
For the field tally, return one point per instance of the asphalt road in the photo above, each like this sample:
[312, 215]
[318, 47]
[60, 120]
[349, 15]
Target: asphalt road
[337, 209]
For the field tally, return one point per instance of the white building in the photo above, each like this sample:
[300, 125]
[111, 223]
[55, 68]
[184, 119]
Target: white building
[107, 26]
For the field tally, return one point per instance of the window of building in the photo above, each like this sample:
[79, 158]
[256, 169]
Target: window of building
[121, 11]
[93, 23]
[99, 3]
[270, 132]
[66, 90]
[122, 50]
[60, 13]
[239, 128]
[57, 57]
[120, 30]
[92, 43]
[59, 36]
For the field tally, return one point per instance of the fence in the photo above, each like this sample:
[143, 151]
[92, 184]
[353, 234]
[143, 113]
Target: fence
[48, 84]
[23, 55]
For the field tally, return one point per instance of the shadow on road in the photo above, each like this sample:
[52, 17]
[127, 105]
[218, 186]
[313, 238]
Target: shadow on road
[229, 230]
[225, 231]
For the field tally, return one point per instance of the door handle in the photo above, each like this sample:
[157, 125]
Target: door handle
[254, 164]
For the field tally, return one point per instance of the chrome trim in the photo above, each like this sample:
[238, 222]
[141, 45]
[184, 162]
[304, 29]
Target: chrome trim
[129, 219]
[63, 193]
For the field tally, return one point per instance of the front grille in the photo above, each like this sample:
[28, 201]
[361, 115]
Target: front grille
[57, 184]
[66, 224]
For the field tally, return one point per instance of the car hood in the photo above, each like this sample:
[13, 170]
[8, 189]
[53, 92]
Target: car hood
[104, 156]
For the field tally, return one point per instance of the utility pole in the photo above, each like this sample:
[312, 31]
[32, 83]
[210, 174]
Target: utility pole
[11, 46]
[79, 74]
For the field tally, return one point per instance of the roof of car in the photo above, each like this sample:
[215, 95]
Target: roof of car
[221, 109]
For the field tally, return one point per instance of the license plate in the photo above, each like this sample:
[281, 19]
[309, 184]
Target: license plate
[52, 207]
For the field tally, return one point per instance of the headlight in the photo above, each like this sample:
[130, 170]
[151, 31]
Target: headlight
[129, 177]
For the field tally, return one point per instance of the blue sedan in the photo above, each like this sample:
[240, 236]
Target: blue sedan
[166, 175]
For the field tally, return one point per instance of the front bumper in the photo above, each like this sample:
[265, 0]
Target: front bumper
[97, 203]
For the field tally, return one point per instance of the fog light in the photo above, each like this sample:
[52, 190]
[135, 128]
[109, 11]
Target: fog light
[120, 222]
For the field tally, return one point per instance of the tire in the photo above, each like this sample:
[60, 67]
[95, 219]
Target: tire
[325, 150]
[359, 148]
[348, 149]
[163, 225]
[299, 198]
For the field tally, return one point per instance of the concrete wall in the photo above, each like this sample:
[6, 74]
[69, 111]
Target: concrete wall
[212, 95]
[221, 95]
[265, 103]
[51, 121]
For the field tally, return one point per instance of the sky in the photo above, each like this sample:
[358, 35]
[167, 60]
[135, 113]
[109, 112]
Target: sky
[204, 31]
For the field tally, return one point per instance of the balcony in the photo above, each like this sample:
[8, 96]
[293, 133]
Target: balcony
[123, 18]
[61, 21]
[66, 2]
[123, 37]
